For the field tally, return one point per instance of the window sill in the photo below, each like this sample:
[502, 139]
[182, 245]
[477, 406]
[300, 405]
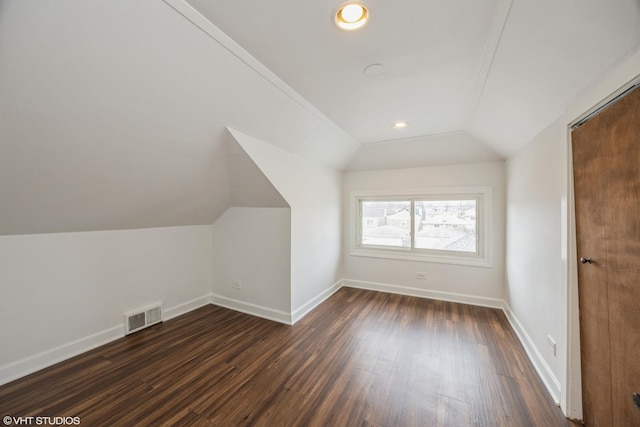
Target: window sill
[412, 256]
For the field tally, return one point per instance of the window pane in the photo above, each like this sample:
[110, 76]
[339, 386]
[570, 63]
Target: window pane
[447, 225]
[386, 223]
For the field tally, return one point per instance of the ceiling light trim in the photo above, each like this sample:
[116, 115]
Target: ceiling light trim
[344, 23]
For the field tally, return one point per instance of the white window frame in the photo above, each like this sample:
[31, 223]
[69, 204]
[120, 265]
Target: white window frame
[481, 258]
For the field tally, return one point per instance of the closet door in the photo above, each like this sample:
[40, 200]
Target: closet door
[606, 167]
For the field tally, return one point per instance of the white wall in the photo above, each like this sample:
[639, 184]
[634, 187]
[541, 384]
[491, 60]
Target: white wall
[484, 285]
[129, 118]
[536, 190]
[248, 187]
[252, 246]
[433, 150]
[541, 260]
[314, 193]
[61, 294]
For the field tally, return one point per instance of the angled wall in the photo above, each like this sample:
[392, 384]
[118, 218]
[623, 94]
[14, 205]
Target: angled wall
[248, 186]
[314, 193]
[251, 241]
[113, 116]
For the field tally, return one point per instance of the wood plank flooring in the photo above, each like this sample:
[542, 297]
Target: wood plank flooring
[362, 358]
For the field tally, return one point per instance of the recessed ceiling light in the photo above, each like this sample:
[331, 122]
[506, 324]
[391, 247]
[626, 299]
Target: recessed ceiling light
[400, 125]
[351, 15]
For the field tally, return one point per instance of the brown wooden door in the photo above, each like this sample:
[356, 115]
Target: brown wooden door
[606, 166]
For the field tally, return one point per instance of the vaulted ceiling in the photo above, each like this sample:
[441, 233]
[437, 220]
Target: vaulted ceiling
[500, 70]
[113, 113]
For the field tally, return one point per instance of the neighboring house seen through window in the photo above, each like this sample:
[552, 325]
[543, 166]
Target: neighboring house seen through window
[429, 227]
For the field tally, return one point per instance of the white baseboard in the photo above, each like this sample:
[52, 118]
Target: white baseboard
[31, 364]
[28, 365]
[275, 315]
[543, 369]
[252, 309]
[423, 293]
[314, 302]
[186, 307]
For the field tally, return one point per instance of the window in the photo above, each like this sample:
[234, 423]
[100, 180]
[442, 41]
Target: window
[386, 223]
[447, 225]
[443, 225]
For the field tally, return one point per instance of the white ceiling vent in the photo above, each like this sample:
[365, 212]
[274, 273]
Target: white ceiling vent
[142, 318]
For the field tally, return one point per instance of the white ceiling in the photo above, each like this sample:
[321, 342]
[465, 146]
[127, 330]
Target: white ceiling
[113, 113]
[500, 70]
[436, 150]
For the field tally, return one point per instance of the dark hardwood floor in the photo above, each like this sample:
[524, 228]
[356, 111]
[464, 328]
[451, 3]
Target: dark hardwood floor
[360, 359]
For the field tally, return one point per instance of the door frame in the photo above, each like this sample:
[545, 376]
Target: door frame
[571, 397]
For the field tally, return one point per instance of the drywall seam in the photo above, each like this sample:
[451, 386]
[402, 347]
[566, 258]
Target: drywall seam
[493, 42]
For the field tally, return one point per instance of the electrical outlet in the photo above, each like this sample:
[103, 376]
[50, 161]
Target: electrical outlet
[552, 344]
[236, 285]
[421, 275]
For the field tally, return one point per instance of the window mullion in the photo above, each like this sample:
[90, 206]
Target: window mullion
[412, 218]
[360, 225]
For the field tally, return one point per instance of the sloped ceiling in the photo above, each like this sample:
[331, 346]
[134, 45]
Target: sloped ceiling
[113, 112]
[432, 52]
[549, 53]
[248, 185]
[499, 70]
[113, 115]
[435, 150]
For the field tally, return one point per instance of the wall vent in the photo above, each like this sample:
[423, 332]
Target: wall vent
[142, 318]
